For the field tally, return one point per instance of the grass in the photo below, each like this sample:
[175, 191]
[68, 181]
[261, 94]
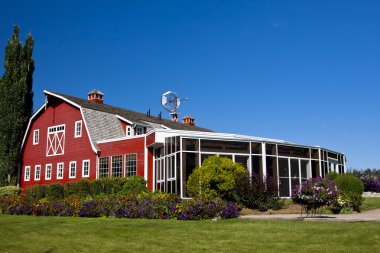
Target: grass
[370, 203]
[68, 234]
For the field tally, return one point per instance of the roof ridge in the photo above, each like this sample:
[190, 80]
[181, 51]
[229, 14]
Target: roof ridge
[132, 115]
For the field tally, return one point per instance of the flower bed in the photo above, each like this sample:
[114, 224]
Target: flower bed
[315, 193]
[148, 207]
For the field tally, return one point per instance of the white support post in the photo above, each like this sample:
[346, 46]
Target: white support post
[263, 155]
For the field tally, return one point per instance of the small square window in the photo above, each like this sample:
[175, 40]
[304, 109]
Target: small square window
[139, 130]
[36, 136]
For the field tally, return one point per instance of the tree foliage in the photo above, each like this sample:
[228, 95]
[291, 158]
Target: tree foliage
[16, 103]
[216, 178]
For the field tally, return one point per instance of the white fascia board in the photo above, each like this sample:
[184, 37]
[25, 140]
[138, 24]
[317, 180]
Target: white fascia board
[130, 122]
[124, 119]
[30, 122]
[198, 134]
[63, 98]
[81, 111]
[122, 138]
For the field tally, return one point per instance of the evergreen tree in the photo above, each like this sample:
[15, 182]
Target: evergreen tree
[16, 103]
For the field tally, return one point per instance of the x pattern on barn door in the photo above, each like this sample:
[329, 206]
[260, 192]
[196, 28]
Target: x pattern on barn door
[56, 140]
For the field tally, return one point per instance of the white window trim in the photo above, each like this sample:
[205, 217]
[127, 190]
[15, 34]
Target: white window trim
[125, 162]
[129, 129]
[75, 169]
[51, 171]
[35, 172]
[84, 161]
[36, 133]
[75, 130]
[140, 128]
[27, 169]
[63, 170]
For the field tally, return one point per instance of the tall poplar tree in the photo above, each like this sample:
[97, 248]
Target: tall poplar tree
[16, 103]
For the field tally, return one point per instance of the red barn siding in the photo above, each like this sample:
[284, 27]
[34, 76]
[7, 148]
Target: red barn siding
[150, 139]
[123, 147]
[75, 149]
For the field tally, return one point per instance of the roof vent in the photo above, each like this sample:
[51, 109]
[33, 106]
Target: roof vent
[95, 96]
[188, 120]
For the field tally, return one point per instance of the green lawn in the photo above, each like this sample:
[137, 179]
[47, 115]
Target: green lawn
[371, 203]
[61, 234]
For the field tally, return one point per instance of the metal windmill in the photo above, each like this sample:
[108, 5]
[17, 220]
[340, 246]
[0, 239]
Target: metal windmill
[170, 101]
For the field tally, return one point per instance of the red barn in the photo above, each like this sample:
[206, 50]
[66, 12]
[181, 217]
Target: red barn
[70, 138]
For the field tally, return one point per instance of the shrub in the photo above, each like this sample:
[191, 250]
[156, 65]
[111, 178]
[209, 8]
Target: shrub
[331, 175]
[258, 193]
[7, 191]
[351, 189]
[215, 179]
[130, 206]
[54, 192]
[134, 185]
[315, 193]
[36, 192]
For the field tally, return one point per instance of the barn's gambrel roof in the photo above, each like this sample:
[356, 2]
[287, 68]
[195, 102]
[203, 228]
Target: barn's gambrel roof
[103, 122]
[135, 117]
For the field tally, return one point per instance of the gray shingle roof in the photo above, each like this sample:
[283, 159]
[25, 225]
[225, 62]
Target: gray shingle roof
[133, 116]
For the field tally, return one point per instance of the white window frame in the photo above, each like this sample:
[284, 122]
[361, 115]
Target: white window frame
[36, 136]
[127, 166]
[128, 130]
[63, 169]
[61, 142]
[39, 172]
[139, 130]
[46, 170]
[86, 161]
[75, 169]
[27, 173]
[78, 133]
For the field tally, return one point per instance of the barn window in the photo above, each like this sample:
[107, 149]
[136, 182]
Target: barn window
[37, 172]
[36, 136]
[55, 140]
[116, 166]
[86, 168]
[128, 130]
[73, 169]
[103, 167]
[139, 130]
[48, 172]
[130, 165]
[60, 171]
[27, 173]
[78, 129]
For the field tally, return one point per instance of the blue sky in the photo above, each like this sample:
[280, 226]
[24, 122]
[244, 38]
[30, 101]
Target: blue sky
[304, 71]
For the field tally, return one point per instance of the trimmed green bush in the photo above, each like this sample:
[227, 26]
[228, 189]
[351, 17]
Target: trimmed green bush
[54, 191]
[350, 189]
[10, 190]
[215, 179]
[331, 175]
[85, 188]
[36, 192]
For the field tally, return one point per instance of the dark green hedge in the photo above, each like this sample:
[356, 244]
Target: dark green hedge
[83, 188]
